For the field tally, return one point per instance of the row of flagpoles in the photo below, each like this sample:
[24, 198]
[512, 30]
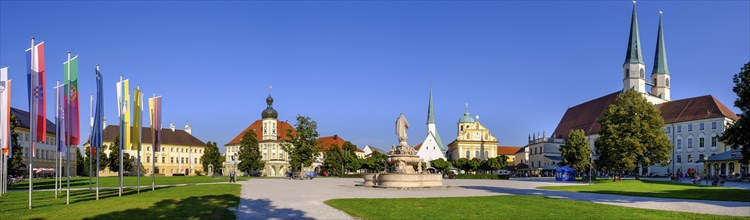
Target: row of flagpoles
[67, 120]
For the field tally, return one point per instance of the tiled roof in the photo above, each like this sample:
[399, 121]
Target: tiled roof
[24, 121]
[696, 108]
[418, 146]
[586, 115]
[327, 142]
[507, 150]
[257, 127]
[176, 137]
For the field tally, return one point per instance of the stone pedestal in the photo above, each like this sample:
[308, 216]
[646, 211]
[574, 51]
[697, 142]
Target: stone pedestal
[398, 180]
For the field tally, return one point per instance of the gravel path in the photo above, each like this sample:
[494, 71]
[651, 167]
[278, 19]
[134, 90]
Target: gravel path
[303, 199]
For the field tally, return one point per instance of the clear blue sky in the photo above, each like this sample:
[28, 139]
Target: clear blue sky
[354, 66]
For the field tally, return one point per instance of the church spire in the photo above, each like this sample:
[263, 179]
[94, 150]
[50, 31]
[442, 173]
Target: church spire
[430, 110]
[660, 58]
[633, 54]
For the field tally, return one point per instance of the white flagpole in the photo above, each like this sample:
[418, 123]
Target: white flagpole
[140, 135]
[91, 125]
[97, 150]
[122, 133]
[153, 148]
[67, 148]
[32, 119]
[57, 114]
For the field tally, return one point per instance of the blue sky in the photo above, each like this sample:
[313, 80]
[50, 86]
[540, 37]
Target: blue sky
[354, 66]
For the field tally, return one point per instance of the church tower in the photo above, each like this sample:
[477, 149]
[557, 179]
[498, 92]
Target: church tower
[269, 117]
[634, 68]
[465, 122]
[660, 73]
[431, 125]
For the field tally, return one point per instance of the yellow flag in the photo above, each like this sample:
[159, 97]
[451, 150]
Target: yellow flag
[135, 135]
[126, 116]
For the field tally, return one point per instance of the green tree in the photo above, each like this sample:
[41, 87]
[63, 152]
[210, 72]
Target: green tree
[503, 159]
[103, 162]
[303, 144]
[461, 163]
[492, 164]
[737, 134]
[334, 159]
[351, 161]
[249, 154]
[211, 155]
[473, 164]
[81, 169]
[576, 152]
[375, 163]
[631, 134]
[440, 165]
[113, 160]
[15, 162]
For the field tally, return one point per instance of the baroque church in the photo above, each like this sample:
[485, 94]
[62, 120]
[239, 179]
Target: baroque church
[693, 124]
[270, 133]
[432, 147]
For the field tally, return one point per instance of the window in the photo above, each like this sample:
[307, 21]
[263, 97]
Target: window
[195, 160]
[163, 159]
[476, 154]
[643, 75]
[626, 73]
[667, 82]
[679, 158]
[701, 157]
[679, 128]
[486, 154]
[690, 142]
[690, 158]
[171, 159]
[702, 126]
[148, 159]
[714, 139]
[468, 154]
[700, 142]
[690, 127]
[669, 130]
[656, 82]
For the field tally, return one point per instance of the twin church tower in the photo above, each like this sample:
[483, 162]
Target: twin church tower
[634, 67]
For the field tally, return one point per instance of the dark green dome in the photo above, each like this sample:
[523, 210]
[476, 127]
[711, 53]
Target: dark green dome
[269, 112]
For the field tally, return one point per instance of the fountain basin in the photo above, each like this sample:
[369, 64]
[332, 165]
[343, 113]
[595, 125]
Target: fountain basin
[402, 180]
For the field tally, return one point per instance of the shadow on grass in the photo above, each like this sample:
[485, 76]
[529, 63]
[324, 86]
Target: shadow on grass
[262, 209]
[196, 207]
[601, 196]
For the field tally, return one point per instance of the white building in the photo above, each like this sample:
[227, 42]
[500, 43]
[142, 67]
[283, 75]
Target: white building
[432, 147]
[45, 152]
[692, 124]
[368, 150]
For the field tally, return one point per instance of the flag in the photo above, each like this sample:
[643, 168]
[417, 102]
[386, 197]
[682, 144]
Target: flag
[97, 129]
[5, 109]
[154, 109]
[72, 117]
[137, 118]
[60, 117]
[37, 106]
[123, 107]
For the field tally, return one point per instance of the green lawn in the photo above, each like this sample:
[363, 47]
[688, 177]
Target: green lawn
[500, 207]
[183, 202]
[659, 189]
[113, 181]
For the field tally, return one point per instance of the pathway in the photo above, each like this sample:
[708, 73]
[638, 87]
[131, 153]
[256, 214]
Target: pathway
[303, 199]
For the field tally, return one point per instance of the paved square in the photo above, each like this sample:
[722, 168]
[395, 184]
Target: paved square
[303, 199]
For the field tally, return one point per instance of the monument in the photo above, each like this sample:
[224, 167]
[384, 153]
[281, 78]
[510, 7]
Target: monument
[401, 159]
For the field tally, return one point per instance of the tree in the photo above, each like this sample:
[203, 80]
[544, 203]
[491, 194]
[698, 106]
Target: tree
[102, 159]
[375, 162]
[249, 154]
[80, 168]
[473, 164]
[492, 164]
[211, 155]
[15, 162]
[440, 165]
[461, 163]
[737, 134]
[503, 159]
[351, 161]
[631, 134]
[334, 159]
[576, 152]
[113, 160]
[303, 144]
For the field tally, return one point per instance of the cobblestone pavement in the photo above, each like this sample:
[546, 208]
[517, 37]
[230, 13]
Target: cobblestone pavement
[303, 199]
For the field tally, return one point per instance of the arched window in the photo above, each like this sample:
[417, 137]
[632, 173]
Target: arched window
[643, 75]
[667, 82]
[486, 154]
[468, 154]
[476, 154]
[626, 72]
[656, 81]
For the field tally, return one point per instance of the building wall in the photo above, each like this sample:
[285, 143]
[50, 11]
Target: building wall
[686, 144]
[521, 157]
[539, 150]
[46, 152]
[474, 138]
[430, 150]
[173, 159]
[277, 160]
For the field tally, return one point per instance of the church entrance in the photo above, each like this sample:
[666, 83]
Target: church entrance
[187, 172]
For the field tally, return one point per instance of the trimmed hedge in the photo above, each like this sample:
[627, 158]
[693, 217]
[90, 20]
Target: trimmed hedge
[482, 176]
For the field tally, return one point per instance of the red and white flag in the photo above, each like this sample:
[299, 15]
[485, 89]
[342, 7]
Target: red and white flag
[37, 83]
